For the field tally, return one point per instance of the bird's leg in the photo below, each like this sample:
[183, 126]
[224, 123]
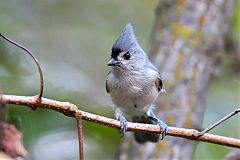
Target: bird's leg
[159, 122]
[119, 116]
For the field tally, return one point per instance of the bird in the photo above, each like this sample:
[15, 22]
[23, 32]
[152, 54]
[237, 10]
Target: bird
[134, 83]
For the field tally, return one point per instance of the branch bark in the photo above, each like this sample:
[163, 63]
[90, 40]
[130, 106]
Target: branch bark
[35, 60]
[80, 135]
[71, 110]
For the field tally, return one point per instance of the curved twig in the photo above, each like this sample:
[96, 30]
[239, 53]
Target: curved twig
[236, 111]
[71, 110]
[35, 60]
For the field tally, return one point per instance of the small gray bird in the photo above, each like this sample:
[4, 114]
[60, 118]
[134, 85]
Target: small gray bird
[134, 84]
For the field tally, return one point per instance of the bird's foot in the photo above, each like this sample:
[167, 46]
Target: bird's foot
[123, 123]
[162, 125]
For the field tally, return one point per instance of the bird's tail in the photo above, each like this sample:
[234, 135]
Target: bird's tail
[142, 137]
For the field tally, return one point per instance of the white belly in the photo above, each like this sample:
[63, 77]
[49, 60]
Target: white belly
[134, 99]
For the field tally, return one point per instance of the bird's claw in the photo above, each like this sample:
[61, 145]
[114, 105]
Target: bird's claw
[163, 127]
[123, 123]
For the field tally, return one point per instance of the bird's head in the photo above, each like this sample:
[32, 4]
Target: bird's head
[126, 52]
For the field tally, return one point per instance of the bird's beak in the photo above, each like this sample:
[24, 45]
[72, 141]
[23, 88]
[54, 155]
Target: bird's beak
[112, 62]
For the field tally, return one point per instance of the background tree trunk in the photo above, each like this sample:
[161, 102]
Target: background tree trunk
[187, 42]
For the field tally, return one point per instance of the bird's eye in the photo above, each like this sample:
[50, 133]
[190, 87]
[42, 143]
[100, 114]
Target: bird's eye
[127, 56]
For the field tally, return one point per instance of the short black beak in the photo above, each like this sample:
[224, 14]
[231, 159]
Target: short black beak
[112, 62]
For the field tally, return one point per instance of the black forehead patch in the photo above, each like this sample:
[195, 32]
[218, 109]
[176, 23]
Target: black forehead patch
[115, 52]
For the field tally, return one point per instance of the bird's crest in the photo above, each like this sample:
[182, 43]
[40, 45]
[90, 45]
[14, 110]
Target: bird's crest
[125, 42]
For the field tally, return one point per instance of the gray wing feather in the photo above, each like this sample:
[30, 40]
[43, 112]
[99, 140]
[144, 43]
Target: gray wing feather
[158, 82]
[107, 89]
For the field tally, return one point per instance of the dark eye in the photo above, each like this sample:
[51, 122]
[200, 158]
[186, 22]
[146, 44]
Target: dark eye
[127, 56]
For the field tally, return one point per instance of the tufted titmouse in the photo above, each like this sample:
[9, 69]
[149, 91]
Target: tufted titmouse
[134, 84]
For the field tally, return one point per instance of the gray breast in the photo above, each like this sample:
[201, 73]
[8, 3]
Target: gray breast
[133, 94]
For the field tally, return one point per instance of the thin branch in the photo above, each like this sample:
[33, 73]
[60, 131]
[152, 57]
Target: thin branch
[236, 111]
[33, 57]
[80, 136]
[71, 110]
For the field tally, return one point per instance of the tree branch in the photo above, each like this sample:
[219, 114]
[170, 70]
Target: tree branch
[71, 110]
[35, 60]
[80, 135]
[236, 111]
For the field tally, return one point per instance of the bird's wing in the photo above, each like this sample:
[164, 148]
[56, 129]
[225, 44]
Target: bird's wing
[158, 81]
[159, 84]
[107, 88]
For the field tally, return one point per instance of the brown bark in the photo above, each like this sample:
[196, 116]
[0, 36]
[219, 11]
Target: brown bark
[186, 45]
[71, 110]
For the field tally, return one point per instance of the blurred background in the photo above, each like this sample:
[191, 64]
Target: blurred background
[72, 41]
